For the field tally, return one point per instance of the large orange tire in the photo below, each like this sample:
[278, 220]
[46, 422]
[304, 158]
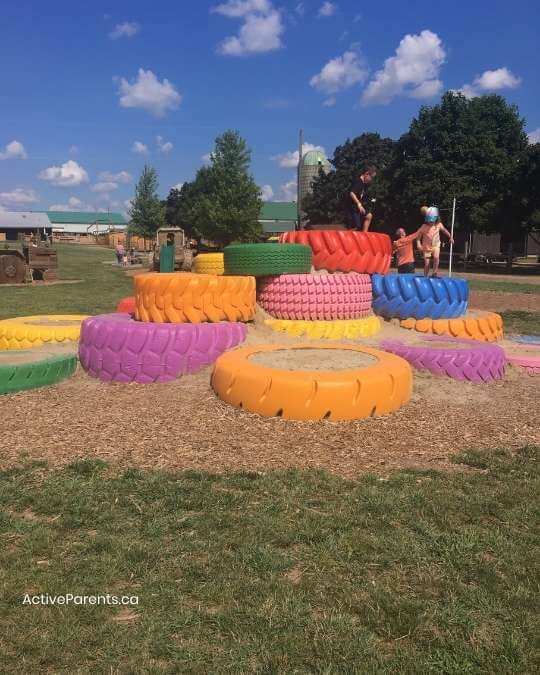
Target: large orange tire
[349, 394]
[345, 250]
[483, 326]
[183, 297]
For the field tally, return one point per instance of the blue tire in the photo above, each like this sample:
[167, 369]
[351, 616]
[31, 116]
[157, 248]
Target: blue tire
[406, 296]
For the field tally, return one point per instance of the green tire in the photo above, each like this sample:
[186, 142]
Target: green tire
[261, 260]
[33, 368]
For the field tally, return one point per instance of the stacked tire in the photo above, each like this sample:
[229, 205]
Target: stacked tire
[297, 287]
[179, 323]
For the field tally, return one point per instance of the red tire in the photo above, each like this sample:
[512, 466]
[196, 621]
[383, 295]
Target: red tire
[126, 305]
[345, 250]
[316, 297]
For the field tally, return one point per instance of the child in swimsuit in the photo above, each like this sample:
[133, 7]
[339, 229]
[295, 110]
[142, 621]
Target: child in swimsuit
[429, 240]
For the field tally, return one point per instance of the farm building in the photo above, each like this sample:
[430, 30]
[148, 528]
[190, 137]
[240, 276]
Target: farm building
[79, 225]
[13, 224]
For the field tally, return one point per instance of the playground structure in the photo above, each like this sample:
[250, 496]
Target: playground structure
[183, 251]
[331, 286]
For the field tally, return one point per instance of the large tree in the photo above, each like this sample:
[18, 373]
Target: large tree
[223, 203]
[468, 148]
[326, 203]
[146, 213]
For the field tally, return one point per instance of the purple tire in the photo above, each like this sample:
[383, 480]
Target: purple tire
[116, 348]
[469, 360]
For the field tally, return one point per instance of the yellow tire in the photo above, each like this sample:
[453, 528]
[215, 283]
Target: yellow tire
[330, 330]
[184, 297]
[33, 331]
[208, 263]
[345, 394]
[482, 326]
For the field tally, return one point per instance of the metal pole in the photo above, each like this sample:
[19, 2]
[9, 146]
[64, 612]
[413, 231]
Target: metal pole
[298, 199]
[452, 237]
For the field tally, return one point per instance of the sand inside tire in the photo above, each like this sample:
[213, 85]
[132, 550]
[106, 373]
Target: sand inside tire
[314, 359]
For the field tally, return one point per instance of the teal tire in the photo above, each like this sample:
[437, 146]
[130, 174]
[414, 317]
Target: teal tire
[261, 260]
[32, 368]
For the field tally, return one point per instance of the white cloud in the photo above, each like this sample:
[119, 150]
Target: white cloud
[207, 158]
[73, 149]
[67, 175]
[163, 146]
[534, 136]
[413, 71]
[491, 80]
[120, 177]
[139, 148]
[289, 160]
[261, 29]
[148, 93]
[126, 29]
[340, 73]
[104, 186]
[178, 186]
[18, 196]
[73, 204]
[267, 193]
[327, 9]
[14, 150]
[289, 191]
[329, 102]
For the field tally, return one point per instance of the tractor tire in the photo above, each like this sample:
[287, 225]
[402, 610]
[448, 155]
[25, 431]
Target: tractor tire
[12, 269]
[126, 305]
[525, 356]
[346, 329]
[345, 250]
[33, 368]
[209, 263]
[316, 297]
[348, 394]
[407, 296]
[33, 331]
[466, 360]
[261, 260]
[115, 348]
[482, 326]
[193, 298]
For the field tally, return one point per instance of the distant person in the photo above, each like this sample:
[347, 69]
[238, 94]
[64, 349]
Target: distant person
[120, 253]
[430, 238]
[357, 211]
[403, 248]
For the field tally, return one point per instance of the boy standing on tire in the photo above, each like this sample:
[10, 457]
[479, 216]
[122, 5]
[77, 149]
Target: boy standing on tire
[430, 238]
[356, 202]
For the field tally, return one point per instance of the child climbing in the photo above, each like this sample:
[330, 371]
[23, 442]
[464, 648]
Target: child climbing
[429, 240]
[403, 248]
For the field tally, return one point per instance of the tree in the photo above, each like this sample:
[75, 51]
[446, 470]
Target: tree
[469, 148]
[326, 203]
[524, 193]
[177, 208]
[146, 213]
[223, 204]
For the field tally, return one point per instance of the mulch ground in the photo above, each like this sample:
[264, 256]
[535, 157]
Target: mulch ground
[183, 425]
[502, 302]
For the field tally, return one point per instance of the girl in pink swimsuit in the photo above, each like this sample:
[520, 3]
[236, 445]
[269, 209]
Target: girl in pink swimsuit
[429, 240]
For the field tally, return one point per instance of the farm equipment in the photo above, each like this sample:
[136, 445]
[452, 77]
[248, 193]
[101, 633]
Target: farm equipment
[183, 251]
[28, 263]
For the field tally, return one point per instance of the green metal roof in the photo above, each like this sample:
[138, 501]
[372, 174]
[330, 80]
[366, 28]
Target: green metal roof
[278, 211]
[314, 157]
[85, 218]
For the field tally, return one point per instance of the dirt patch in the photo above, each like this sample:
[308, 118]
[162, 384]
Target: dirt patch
[501, 302]
[313, 359]
[44, 283]
[183, 425]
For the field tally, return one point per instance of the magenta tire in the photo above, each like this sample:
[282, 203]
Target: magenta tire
[525, 356]
[316, 297]
[116, 348]
[470, 360]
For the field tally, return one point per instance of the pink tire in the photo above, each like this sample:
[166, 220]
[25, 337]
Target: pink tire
[467, 360]
[126, 305]
[526, 357]
[316, 297]
[116, 348]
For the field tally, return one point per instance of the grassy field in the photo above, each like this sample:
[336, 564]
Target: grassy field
[289, 572]
[101, 286]
[504, 286]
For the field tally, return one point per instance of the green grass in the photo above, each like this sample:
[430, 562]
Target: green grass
[521, 322]
[504, 286]
[99, 291]
[288, 572]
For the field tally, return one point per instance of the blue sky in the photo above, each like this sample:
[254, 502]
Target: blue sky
[90, 91]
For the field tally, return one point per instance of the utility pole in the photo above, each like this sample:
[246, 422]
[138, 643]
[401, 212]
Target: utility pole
[298, 199]
[452, 237]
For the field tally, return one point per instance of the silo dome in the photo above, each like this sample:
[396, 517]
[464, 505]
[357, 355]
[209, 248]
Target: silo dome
[309, 167]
